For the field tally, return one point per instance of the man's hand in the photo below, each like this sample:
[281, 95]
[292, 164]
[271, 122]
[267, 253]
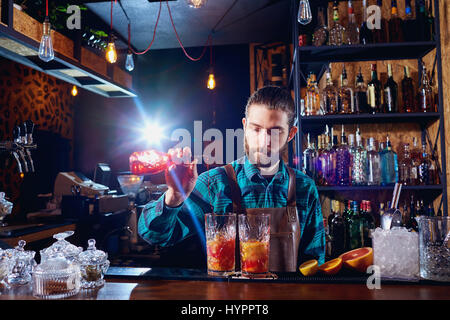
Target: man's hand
[181, 176]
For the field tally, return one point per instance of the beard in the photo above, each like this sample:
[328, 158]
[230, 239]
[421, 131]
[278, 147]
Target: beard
[266, 158]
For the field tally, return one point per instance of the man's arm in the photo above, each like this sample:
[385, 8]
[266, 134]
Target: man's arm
[312, 243]
[162, 225]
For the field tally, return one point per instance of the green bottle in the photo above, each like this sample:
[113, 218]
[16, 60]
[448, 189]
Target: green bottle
[354, 227]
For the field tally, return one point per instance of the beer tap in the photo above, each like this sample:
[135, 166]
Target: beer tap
[20, 146]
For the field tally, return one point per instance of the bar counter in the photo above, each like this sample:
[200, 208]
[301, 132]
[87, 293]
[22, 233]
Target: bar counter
[144, 288]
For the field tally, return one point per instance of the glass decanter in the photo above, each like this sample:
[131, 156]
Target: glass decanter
[93, 266]
[336, 36]
[23, 264]
[62, 246]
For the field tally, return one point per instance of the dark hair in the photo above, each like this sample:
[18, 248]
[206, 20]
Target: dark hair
[274, 98]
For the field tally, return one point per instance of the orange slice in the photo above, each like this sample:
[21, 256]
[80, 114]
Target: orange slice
[309, 267]
[358, 259]
[331, 267]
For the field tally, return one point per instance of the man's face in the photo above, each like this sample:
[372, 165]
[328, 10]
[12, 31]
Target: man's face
[266, 134]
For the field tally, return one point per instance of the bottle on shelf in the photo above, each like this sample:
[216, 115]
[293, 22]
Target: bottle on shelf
[423, 27]
[343, 162]
[359, 168]
[395, 24]
[381, 35]
[320, 163]
[365, 34]
[373, 167]
[374, 92]
[424, 167]
[409, 23]
[416, 159]
[330, 162]
[345, 95]
[430, 210]
[360, 94]
[390, 93]
[336, 34]
[352, 29]
[337, 231]
[329, 95]
[354, 226]
[412, 222]
[430, 17]
[408, 92]
[425, 96]
[405, 167]
[389, 165]
[320, 35]
[346, 217]
[309, 157]
[367, 222]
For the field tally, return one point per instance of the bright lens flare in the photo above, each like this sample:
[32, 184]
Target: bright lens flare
[211, 82]
[153, 133]
[74, 91]
[111, 53]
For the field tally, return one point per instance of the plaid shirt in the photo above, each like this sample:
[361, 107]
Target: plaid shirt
[165, 226]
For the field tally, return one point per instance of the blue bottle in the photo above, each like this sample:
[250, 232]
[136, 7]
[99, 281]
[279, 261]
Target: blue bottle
[389, 165]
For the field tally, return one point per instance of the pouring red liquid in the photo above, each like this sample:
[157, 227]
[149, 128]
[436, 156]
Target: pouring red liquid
[149, 162]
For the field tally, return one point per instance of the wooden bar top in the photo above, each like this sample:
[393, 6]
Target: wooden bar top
[140, 289]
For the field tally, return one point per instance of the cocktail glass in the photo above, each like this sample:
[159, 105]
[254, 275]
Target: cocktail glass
[254, 237]
[220, 243]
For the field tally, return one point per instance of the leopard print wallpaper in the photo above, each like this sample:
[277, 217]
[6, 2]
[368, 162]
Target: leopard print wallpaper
[25, 94]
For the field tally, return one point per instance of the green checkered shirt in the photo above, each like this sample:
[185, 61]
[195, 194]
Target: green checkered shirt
[166, 226]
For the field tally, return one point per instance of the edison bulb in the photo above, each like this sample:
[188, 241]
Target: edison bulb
[304, 12]
[129, 63]
[74, 91]
[211, 82]
[196, 3]
[111, 53]
[46, 52]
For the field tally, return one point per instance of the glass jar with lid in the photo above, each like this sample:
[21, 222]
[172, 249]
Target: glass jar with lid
[6, 265]
[23, 264]
[56, 277]
[93, 266]
[62, 246]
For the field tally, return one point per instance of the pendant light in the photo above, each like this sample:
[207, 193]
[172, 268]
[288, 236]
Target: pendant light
[304, 12]
[46, 52]
[129, 63]
[196, 3]
[111, 53]
[211, 83]
[74, 91]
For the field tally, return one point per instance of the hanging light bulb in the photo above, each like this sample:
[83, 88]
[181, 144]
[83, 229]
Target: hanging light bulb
[74, 91]
[196, 3]
[129, 63]
[211, 81]
[111, 53]
[304, 12]
[46, 52]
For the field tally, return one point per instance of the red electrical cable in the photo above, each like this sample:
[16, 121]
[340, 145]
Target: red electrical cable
[154, 34]
[46, 8]
[179, 41]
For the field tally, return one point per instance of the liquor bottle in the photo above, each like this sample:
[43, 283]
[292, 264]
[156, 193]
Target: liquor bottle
[360, 94]
[330, 95]
[373, 165]
[336, 35]
[312, 97]
[430, 210]
[395, 24]
[345, 95]
[352, 30]
[389, 165]
[320, 177]
[405, 167]
[423, 31]
[346, 217]
[424, 167]
[337, 231]
[365, 34]
[408, 92]
[320, 35]
[374, 92]
[330, 162]
[416, 159]
[390, 93]
[381, 35]
[425, 96]
[367, 222]
[149, 162]
[309, 156]
[354, 226]
[343, 162]
[359, 168]
[409, 23]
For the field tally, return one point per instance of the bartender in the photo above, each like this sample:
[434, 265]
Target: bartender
[258, 182]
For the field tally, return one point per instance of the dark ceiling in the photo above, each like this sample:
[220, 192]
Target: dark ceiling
[233, 21]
